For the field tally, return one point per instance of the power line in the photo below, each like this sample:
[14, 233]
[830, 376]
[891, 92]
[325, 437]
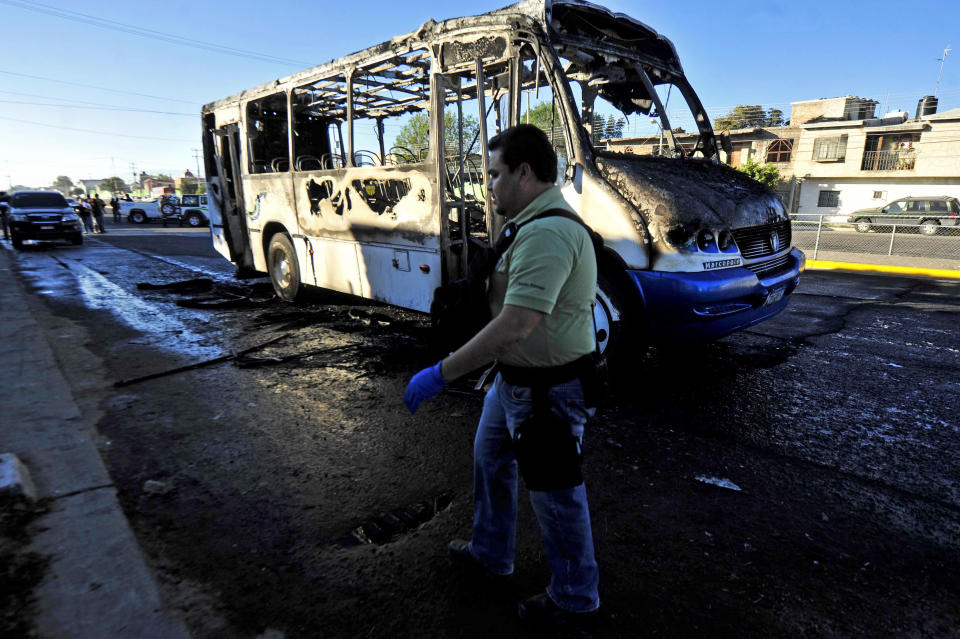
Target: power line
[91, 86]
[106, 133]
[103, 23]
[105, 107]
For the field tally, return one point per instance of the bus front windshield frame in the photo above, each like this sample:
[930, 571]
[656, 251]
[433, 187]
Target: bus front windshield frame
[617, 95]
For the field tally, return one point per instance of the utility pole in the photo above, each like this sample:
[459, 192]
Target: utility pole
[940, 75]
[196, 156]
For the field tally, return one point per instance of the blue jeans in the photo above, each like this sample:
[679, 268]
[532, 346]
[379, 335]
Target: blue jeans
[563, 515]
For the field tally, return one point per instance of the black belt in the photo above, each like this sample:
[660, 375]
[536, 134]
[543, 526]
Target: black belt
[547, 375]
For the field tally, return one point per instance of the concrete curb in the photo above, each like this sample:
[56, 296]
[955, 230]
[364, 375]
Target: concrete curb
[98, 583]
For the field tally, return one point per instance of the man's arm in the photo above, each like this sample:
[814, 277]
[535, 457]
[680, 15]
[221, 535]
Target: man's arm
[510, 327]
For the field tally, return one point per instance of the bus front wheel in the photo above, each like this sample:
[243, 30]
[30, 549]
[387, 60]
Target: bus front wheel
[282, 264]
[613, 322]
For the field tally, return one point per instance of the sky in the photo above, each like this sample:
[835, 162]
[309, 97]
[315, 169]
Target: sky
[95, 88]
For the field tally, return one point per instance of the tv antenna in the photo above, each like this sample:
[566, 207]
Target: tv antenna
[940, 75]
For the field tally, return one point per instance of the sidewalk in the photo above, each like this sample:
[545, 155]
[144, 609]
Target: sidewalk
[98, 584]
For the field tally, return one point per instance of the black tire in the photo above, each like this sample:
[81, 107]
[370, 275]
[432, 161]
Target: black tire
[929, 227]
[194, 219]
[17, 242]
[616, 323]
[283, 268]
[862, 224]
[77, 239]
[138, 217]
[168, 209]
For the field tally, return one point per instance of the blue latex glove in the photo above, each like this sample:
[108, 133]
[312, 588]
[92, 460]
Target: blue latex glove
[423, 386]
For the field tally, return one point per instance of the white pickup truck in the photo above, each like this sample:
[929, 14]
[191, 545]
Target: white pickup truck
[190, 210]
[141, 212]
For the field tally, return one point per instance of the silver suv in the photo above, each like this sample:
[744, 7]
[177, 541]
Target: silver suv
[928, 214]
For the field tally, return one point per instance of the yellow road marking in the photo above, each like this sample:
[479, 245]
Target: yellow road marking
[883, 268]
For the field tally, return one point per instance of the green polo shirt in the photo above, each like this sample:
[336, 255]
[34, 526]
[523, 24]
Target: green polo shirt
[550, 267]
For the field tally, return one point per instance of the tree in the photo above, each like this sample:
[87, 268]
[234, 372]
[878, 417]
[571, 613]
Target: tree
[415, 134]
[164, 177]
[766, 174]
[546, 116]
[606, 128]
[63, 184]
[188, 187]
[113, 185]
[744, 116]
[76, 191]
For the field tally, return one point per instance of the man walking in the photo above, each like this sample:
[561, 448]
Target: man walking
[99, 208]
[115, 205]
[86, 213]
[541, 295]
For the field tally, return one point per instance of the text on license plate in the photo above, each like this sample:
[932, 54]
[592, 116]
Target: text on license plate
[46, 228]
[774, 296]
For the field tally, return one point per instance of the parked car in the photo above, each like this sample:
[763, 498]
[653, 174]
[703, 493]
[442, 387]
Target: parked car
[926, 213]
[45, 216]
[193, 210]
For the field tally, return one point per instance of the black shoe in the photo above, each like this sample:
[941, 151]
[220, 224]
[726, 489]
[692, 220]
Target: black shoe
[540, 609]
[460, 554]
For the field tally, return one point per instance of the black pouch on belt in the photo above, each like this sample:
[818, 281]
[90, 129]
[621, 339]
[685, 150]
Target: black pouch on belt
[548, 454]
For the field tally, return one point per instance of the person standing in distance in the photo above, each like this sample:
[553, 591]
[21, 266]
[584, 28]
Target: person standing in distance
[541, 294]
[115, 205]
[98, 210]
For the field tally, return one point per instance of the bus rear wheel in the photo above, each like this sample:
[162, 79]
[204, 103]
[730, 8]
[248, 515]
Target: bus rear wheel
[283, 267]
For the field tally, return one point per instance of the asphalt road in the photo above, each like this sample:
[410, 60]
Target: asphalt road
[836, 422]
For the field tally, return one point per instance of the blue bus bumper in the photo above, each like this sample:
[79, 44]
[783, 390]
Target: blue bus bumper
[709, 305]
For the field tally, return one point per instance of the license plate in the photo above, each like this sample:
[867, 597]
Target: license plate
[46, 228]
[774, 296]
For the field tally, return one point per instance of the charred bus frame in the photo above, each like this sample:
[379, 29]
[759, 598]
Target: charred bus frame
[305, 187]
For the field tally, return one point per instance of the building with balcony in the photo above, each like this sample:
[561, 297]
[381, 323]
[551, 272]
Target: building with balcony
[836, 156]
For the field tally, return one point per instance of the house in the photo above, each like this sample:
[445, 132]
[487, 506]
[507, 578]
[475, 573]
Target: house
[90, 186]
[836, 156]
[850, 164]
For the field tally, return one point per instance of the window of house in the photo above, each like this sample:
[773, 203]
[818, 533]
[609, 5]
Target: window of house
[830, 149]
[879, 195]
[780, 151]
[828, 199]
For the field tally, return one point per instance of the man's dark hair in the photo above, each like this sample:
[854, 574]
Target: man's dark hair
[527, 143]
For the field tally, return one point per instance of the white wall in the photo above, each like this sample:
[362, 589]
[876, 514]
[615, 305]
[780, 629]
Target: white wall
[859, 194]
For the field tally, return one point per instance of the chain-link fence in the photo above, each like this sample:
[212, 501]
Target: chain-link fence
[930, 244]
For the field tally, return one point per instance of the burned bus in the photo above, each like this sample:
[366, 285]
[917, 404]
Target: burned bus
[366, 175]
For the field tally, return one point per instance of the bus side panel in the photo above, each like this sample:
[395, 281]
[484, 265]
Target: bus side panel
[402, 276]
[387, 215]
[267, 199]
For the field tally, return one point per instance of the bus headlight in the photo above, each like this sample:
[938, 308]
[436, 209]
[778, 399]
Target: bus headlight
[707, 241]
[725, 241]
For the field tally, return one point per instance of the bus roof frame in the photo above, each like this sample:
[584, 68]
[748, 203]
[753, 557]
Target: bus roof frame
[534, 13]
